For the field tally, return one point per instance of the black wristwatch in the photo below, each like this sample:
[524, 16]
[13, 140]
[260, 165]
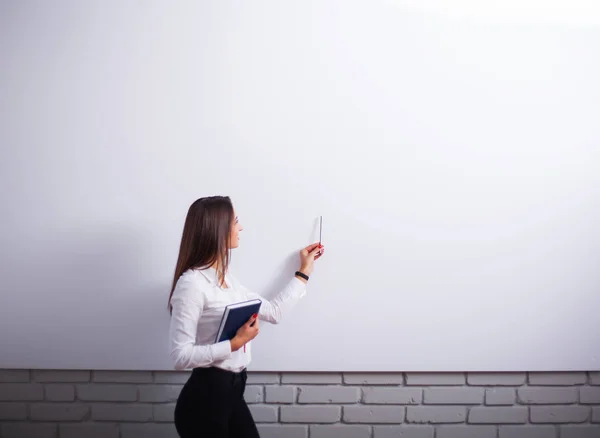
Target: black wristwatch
[302, 274]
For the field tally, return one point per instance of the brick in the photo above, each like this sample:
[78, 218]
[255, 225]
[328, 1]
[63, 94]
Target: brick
[106, 392]
[437, 379]
[59, 392]
[151, 430]
[466, 432]
[13, 411]
[595, 378]
[453, 396]
[59, 411]
[282, 431]
[403, 431]
[121, 412]
[398, 396]
[535, 431]
[339, 430]
[280, 394]
[498, 415]
[374, 414]
[21, 392]
[89, 430]
[500, 396]
[548, 395]
[164, 413]
[14, 376]
[373, 378]
[312, 378]
[436, 414]
[254, 394]
[51, 376]
[583, 431]
[159, 393]
[589, 395]
[24, 430]
[328, 394]
[264, 413]
[496, 379]
[263, 379]
[559, 414]
[171, 377]
[596, 415]
[310, 414]
[557, 379]
[122, 377]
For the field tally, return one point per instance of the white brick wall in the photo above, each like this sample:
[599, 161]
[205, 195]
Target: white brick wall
[112, 404]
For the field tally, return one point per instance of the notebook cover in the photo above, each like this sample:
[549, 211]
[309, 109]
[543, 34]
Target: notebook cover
[236, 318]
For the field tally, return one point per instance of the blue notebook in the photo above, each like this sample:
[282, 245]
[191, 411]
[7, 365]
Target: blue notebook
[235, 316]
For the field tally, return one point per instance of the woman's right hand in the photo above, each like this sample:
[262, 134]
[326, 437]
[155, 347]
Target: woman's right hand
[308, 256]
[246, 333]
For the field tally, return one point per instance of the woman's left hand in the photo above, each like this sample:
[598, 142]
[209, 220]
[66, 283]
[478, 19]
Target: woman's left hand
[308, 256]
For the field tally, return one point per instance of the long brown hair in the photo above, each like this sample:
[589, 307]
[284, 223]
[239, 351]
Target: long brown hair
[205, 237]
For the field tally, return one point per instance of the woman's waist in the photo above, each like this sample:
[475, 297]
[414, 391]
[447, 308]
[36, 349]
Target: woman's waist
[233, 374]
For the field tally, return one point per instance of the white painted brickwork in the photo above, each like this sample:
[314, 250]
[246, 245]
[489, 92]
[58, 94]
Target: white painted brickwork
[112, 404]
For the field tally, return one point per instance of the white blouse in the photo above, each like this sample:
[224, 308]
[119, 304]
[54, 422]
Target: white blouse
[198, 305]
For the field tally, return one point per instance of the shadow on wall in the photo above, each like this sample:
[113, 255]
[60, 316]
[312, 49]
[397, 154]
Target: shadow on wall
[286, 269]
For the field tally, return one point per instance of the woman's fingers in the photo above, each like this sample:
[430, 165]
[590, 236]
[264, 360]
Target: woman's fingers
[253, 318]
[311, 247]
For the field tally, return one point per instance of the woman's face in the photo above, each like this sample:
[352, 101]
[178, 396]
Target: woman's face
[234, 239]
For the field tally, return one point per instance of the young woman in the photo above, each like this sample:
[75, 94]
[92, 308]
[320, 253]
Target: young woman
[211, 403]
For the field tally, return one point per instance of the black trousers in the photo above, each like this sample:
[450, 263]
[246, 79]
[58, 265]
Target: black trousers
[211, 404]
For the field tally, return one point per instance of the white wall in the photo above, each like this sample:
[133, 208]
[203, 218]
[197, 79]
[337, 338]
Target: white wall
[452, 153]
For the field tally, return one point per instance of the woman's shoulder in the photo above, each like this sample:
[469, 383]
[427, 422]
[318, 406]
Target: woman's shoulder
[191, 284]
[233, 279]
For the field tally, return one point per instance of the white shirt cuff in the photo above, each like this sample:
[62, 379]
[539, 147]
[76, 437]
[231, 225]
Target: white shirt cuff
[221, 350]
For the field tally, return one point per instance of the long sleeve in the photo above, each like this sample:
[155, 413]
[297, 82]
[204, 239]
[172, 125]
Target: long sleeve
[274, 310]
[187, 310]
